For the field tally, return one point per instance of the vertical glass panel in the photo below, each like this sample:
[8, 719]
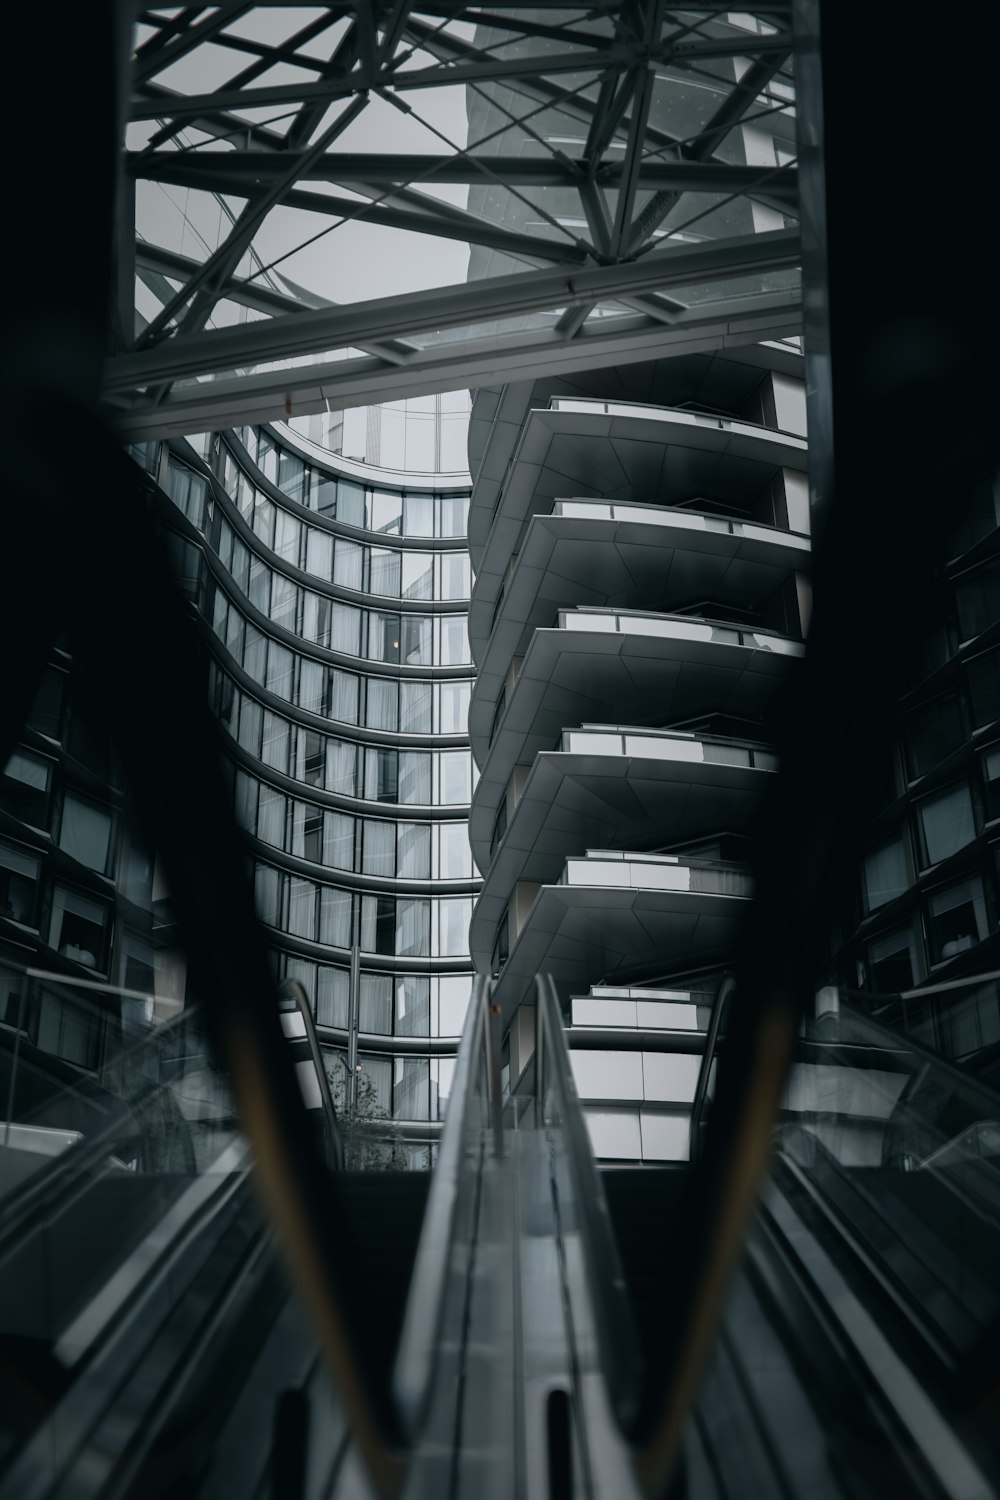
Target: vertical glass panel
[454, 916]
[315, 618]
[287, 531]
[377, 1072]
[18, 885]
[291, 475]
[234, 634]
[418, 513]
[307, 832]
[259, 592]
[323, 495]
[24, 791]
[305, 972]
[341, 767]
[319, 552]
[335, 911]
[415, 707]
[381, 775]
[957, 920]
[350, 503]
[345, 629]
[333, 992]
[415, 777]
[267, 457]
[454, 991]
[413, 1005]
[416, 640]
[263, 518]
[456, 777]
[251, 720]
[886, 875]
[246, 802]
[456, 575]
[254, 653]
[279, 670]
[414, 851]
[343, 687]
[411, 1088]
[385, 572]
[386, 512]
[454, 641]
[453, 513]
[453, 717]
[413, 921]
[271, 817]
[241, 565]
[284, 597]
[85, 833]
[348, 564]
[418, 575]
[312, 685]
[946, 823]
[378, 924]
[383, 637]
[338, 841]
[267, 892]
[455, 853]
[375, 1004]
[78, 928]
[275, 748]
[379, 849]
[382, 705]
[445, 1074]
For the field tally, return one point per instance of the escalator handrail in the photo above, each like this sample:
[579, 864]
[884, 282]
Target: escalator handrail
[293, 989]
[726, 986]
[414, 1364]
[621, 1356]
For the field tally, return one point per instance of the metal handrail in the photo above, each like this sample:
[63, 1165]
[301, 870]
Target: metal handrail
[425, 1304]
[293, 989]
[727, 985]
[617, 1335]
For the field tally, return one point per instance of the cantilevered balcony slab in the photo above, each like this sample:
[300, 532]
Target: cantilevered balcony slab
[615, 667]
[615, 918]
[592, 552]
[625, 453]
[719, 379]
[616, 789]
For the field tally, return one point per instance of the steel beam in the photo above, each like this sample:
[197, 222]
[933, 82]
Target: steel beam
[497, 297]
[274, 395]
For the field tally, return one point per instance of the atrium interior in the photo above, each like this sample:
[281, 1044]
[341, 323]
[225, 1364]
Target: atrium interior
[500, 781]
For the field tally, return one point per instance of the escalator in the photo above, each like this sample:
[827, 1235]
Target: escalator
[518, 1305]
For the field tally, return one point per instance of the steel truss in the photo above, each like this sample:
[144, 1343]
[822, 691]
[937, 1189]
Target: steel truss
[602, 228]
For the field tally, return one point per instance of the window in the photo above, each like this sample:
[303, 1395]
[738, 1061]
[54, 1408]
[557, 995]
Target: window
[453, 716]
[378, 922]
[312, 686]
[381, 775]
[379, 848]
[413, 1005]
[892, 962]
[279, 670]
[383, 637]
[338, 840]
[456, 575]
[957, 920]
[319, 553]
[411, 1088]
[275, 747]
[418, 575]
[246, 802]
[286, 537]
[291, 475]
[307, 832]
[413, 861]
[385, 573]
[85, 833]
[24, 790]
[456, 777]
[501, 946]
[455, 852]
[416, 640]
[187, 490]
[348, 564]
[345, 629]
[263, 518]
[413, 922]
[309, 752]
[382, 705]
[336, 910]
[454, 916]
[341, 767]
[453, 515]
[18, 885]
[375, 1004]
[885, 873]
[333, 989]
[418, 511]
[350, 503]
[453, 1002]
[343, 690]
[284, 599]
[78, 928]
[454, 650]
[386, 512]
[415, 777]
[301, 907]
[271, 817]
[946, 823]
[500, 828]
[315, 618]
[415, 707]
[254, 654]
[378, 1073]
[267, 893]
[259, 591]
[251, 720]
